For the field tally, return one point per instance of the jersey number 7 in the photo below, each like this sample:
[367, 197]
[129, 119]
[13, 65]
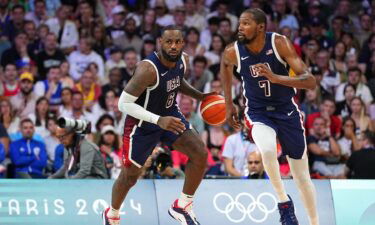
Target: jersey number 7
[267, 87]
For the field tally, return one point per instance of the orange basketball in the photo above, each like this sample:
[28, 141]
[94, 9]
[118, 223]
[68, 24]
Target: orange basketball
[213, 109]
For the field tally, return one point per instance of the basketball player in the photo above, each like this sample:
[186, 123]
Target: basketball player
[149, 100]
[263, 59]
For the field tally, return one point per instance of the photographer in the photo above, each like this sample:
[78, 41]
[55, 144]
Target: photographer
[82, 158]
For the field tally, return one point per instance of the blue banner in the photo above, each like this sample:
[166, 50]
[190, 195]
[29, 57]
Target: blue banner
[354, 201]
[225, 202]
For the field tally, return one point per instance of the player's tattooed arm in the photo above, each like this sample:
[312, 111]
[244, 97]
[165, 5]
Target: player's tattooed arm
[228, 61]
[144, 76]
[303, 80]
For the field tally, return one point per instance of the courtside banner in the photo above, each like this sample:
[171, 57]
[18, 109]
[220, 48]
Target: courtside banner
[226, 202]
[71, 202]
[354, 201]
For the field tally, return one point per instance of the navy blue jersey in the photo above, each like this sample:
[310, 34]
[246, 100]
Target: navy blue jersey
[259, 92]
[161, 98]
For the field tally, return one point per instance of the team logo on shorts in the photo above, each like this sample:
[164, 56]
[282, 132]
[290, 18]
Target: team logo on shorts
[254, 70]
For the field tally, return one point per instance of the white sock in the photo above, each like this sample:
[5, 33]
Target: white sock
[184, 200]
[301, 175]
[267, 147]
[113, 213]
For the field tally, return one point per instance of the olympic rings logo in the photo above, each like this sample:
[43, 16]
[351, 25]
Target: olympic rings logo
[235, 204]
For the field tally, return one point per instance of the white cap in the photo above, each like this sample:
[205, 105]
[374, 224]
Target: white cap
[118, 9]
[107, 128]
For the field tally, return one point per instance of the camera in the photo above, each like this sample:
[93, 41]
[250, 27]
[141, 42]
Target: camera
[79, 126]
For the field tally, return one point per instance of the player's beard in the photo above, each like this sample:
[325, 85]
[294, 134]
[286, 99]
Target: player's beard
[246, 40]
[169, 57]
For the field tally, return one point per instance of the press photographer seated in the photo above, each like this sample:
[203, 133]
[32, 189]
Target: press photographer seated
[82, 158]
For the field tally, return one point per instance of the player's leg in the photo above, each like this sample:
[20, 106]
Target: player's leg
[301, 175]
[190, 144]
[265, 139]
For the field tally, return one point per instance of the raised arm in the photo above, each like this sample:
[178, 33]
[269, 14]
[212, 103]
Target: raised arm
[303, 80]
[228, 61]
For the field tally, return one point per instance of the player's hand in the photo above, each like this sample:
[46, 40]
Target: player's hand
[265, 71]
[172, 124]
[232, 116]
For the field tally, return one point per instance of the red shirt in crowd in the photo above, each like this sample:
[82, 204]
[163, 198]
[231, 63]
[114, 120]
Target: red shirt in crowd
[335, 126]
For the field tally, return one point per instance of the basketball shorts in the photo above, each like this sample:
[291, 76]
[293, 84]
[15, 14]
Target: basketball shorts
[287, 122]
[139, 141]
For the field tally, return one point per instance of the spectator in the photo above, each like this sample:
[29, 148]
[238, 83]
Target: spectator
[359, 115]
[28, 155]
[18, 54]
[368, 48]
[235, 151]
[343, 108]
[348, 142]
[343, 10]
[186, 105]
[206, 35]
[362, 90]
[51, 88]
[222, 7]
[39, 14]
[66, 101]
[35, 44]
[324, 150]
[255, 166]
[106, 103]
[164, 168]
[216, 49]
[193, 18]
[192, 46]
[200, 75]
[364, 32]
[115, 82]
[51, 141]
[331, 79]
[337, 62]
[65, 79]
[110, 148]
[131, 60]
[89, 88]
[24, 102]
[309, 49]
[64, 29]
[361, 164]
[80, 162]
[317, 32]
[59, 158]
[86, 20]
[337, 28]
[163, 18]
[149, 26]
[101, 40]
[49, 57]
[81, 58]
[225, 31]
[16, 22]
[8, 117]
[327, 108]
[4, 139]
[3, 167]
[40, 116]
[116, 29]
[284, 18]
[10, 86]
[130, 38]
[115, 60]
[149, 47]
[351, 43]
[311, 102]
[103, 120]
[4, 15]
[179, 18]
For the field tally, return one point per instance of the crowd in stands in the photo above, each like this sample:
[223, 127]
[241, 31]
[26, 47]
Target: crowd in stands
[67, 58]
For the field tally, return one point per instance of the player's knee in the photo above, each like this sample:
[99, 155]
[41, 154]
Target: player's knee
[199, 153]
[268, 154]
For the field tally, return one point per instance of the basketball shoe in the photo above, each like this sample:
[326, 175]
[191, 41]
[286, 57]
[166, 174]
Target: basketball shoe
[109, 221]
[287, 216]
[185, 215]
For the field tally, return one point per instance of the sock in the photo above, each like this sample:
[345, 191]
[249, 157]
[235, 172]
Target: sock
[113, 213]
[184, 200]
[301, 175]
[268, 150]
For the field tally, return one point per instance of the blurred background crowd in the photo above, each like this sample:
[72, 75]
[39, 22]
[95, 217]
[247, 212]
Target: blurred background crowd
[72, 58]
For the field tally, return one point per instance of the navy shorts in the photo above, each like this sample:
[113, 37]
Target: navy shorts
[287, 122]
[140, 140]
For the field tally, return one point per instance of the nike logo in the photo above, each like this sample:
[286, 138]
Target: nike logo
[290, 113]
[243, 58]
[164, 73]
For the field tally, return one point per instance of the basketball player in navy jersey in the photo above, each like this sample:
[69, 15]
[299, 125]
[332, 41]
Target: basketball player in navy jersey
[149, 100]
[263, 61]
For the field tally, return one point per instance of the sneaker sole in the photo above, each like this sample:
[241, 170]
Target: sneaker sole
[177, 216]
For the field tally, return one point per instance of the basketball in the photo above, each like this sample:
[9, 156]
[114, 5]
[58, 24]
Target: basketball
[213, 109]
